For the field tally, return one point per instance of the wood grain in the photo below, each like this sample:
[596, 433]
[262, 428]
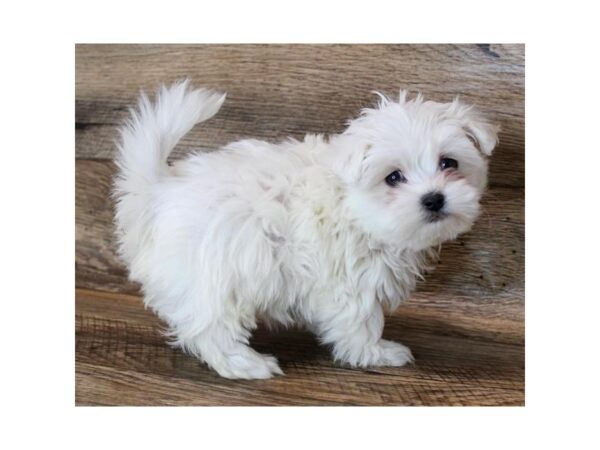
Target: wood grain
[465, 323]
[276, 91]
[122, 359]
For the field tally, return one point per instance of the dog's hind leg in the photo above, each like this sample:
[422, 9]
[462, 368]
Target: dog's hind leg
[225, 349]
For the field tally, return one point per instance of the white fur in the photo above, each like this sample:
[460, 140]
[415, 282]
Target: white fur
[303, 233]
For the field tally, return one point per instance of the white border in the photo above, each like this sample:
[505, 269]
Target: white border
[38, 229]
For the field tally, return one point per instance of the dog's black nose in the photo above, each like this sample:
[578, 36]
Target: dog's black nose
[433, 201]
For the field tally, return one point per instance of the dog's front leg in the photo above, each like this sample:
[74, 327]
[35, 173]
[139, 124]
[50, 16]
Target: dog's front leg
[354, 329]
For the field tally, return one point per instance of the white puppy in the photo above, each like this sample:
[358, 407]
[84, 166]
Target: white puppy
[326, 233]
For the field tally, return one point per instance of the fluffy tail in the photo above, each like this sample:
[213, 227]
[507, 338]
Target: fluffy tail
[147, 139]
[153, 130]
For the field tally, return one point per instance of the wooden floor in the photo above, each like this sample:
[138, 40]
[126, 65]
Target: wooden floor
[122, 359]
[465, 324]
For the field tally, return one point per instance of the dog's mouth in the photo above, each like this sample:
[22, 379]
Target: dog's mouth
[436, 216]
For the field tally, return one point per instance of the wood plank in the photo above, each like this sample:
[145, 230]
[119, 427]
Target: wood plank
[122, 359]
[483, 270]
[276, 91]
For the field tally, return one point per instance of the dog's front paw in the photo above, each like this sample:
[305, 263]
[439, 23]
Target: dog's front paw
[392, 354]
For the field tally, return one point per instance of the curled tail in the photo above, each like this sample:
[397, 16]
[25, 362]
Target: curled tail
[153, 130]
[147, 139]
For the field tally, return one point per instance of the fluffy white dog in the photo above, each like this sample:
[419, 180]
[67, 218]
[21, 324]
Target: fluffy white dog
[326, 233]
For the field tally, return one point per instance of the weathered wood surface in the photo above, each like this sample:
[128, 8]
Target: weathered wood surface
[465, 323]
[276, 91]
[121, 359]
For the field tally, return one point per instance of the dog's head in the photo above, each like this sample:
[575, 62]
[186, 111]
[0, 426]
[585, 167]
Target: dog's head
[415, 170]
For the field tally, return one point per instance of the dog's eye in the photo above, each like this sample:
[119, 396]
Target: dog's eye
[448, 163]
[394, 178]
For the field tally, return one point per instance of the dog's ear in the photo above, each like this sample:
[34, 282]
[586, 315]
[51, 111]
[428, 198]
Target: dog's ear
[483, 134]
